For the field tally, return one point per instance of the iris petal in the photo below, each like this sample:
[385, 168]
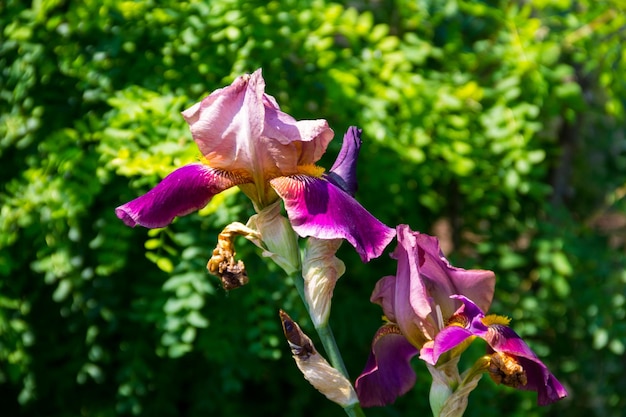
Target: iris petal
[226, 125]
[548, 388]
[503, 339]
[447, 339]
[240, 128]
[320, 209]
[343, 172]
[445, 279]
[183, 191]
[384, 296]
[388, 373]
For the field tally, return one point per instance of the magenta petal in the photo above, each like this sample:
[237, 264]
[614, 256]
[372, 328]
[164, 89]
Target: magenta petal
[388, 373]
[548, 388]
[504, 339]
[447, 339]
[183, 191]
[343, 172]
[384, 295]
[441, 278]
[320, 209]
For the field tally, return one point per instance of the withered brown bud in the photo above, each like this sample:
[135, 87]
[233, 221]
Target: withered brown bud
[315, 369]
[505, 369]
[299, 343]
[222, 264]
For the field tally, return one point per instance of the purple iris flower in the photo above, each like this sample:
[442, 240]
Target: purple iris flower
[416, 303]
[247, 141]
[512, 362]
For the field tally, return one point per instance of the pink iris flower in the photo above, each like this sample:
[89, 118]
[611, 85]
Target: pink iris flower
[416, 303]
[513, 364]
[247, 141]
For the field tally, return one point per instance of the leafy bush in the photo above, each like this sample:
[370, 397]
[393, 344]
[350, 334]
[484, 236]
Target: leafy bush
[498, 126]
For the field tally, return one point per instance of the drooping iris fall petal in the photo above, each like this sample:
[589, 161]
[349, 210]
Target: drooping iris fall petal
[447, 339]
[185, 190]
[388, 373]
[501, 339]
[320, 209]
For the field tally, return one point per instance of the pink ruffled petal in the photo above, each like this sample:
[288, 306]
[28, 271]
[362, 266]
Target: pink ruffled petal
[388, 373]
[320, 209]
[228, 123]
[427, 279]
[183, 191]
[239, 128]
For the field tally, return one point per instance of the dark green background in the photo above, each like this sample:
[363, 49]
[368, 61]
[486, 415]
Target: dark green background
[496, 125]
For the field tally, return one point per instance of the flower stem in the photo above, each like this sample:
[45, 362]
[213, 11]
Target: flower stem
[325, 334]
[332, 350]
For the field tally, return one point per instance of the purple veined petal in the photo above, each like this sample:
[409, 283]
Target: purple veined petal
[445, 279]
[185, 190]
[388, 373]
[541, 380]
[413, 302]
[384, 295]
[320, 209]
[504, 339]
[343, 172]
[469, 309]
[447, 339]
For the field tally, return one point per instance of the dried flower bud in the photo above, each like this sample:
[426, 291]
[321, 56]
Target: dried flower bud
[222, 264]
[326, 379]
[505, 369]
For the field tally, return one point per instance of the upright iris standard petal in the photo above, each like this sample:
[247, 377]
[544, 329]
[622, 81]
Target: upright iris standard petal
[444, 279]
[424, 282]
[185, 190]
[320, 209]
[343, 172]
[388, 373]
[241, 128]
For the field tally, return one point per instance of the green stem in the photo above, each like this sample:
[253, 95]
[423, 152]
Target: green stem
[354, 410]
[325, 334]
[332, 350]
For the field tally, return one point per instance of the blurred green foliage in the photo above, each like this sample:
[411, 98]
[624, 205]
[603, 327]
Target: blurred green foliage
[497, 125]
